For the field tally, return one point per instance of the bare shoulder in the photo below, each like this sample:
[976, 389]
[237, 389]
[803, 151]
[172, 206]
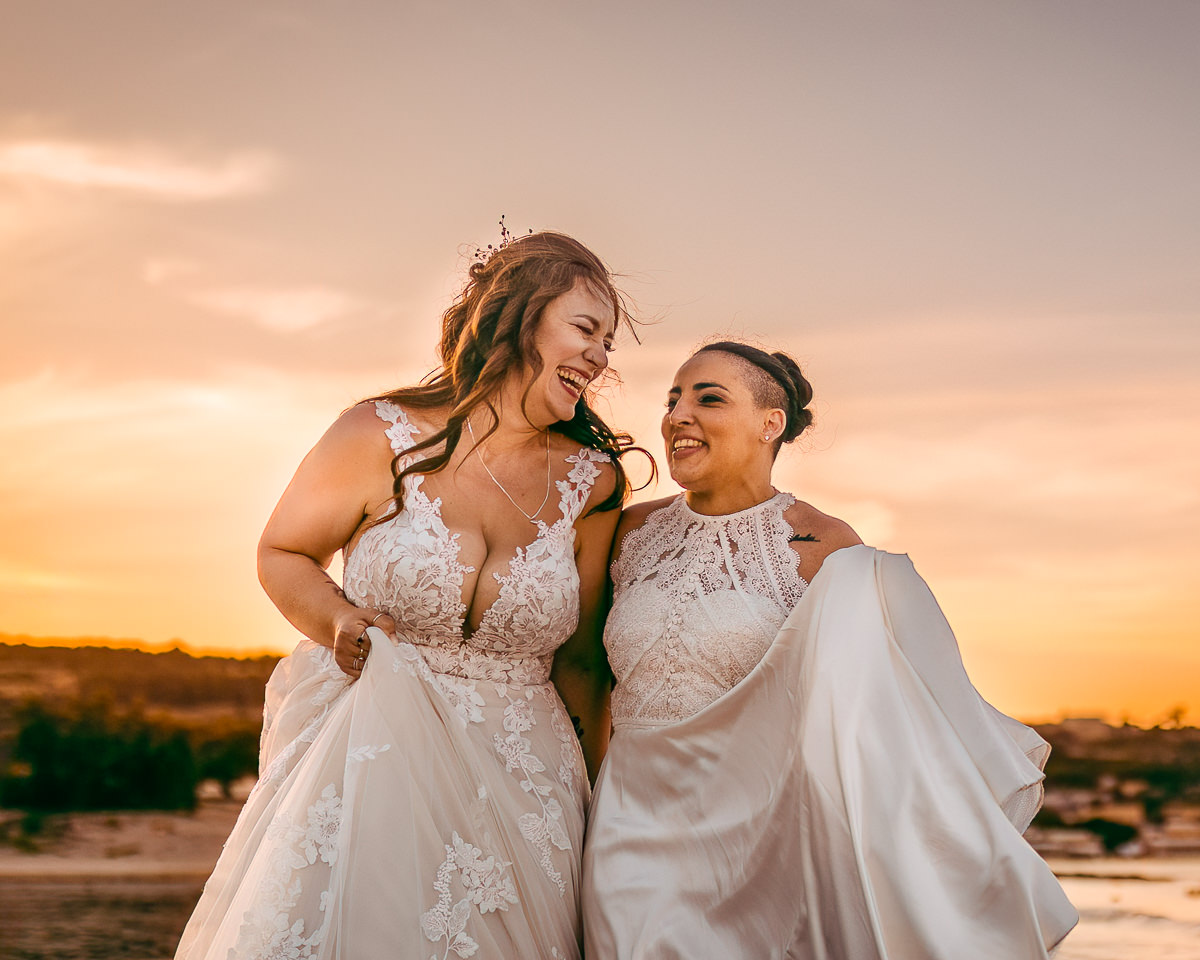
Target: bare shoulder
[361, 418]
[809, 522]
[815, 535]
[336, 485]
[425, 420]
[357, 435]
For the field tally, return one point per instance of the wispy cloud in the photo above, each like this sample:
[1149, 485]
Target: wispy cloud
[143, 169]
[159, 270]
[16, 576]
[282, 310]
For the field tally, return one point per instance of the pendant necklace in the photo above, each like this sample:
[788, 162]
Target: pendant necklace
[531, 517]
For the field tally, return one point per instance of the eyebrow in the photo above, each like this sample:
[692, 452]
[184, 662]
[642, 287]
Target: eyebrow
[702, 385]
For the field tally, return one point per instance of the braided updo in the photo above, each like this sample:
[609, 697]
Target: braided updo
[775, 382]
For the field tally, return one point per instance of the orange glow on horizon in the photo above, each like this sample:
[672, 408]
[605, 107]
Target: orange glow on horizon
[1004, 352]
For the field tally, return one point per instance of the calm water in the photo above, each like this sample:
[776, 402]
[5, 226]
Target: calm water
[99, 919]
[1131, 910]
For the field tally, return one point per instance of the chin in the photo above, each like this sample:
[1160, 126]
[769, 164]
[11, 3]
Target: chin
[558, 415]
[570, 413]
[683, 477]
[558, 408]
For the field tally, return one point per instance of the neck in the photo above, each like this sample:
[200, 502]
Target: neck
[513, 429]
[731, 497]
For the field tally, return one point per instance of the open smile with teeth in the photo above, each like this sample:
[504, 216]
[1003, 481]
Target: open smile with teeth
[685, 443]
[576, 382]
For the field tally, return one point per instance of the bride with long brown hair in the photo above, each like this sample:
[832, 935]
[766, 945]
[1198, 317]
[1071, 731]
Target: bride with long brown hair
[422, 788]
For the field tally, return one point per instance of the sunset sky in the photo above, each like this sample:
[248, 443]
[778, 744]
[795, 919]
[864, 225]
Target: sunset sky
[977, 225]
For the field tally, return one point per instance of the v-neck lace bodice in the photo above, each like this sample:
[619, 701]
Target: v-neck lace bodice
[409, 567]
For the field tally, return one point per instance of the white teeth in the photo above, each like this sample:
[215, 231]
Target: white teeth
[573, 378]
[685, 442]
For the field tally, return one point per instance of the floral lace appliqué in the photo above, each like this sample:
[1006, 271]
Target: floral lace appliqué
[366, 752]
[570, 754]
[268, 931]
[543, 828]
[485, 885]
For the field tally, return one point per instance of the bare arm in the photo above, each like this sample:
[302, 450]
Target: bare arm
[580, 670]
[342, 478]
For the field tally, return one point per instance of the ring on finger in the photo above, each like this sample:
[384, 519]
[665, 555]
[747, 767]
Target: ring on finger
[359, 639]
[359, 662]
[375, 619]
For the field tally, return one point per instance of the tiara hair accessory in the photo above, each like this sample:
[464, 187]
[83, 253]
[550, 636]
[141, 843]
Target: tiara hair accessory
[482, 255]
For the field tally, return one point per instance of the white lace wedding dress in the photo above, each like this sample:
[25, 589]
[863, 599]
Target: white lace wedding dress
[435, 807]
[802, 771]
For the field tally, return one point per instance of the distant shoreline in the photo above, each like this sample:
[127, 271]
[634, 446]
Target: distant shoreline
[42, 868]
[150, 845]
[1111, 718]
[121, 845]
[143, 646]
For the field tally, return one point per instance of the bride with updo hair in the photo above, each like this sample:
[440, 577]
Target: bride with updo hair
[799, 767]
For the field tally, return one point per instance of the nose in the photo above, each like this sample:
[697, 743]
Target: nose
[596, 355]
[679, 414]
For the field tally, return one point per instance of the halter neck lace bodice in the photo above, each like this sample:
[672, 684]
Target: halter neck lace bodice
[697, 601]
[409, 567]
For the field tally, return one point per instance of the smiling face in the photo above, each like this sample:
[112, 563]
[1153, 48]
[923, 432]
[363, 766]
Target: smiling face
[573, 340]
[713, 428]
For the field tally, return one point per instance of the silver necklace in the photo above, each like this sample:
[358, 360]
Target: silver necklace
[531, 517]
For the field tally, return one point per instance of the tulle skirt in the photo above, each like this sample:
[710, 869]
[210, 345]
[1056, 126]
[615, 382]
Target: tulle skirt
[408, 814]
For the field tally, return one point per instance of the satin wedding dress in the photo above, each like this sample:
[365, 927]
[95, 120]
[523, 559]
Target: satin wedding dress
[435, 807]
[803, 771]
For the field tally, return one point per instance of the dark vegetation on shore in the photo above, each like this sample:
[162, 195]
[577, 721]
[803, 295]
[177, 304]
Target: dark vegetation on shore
[1165, 758]
[94, 728]
[84, 728]
[1152, 768]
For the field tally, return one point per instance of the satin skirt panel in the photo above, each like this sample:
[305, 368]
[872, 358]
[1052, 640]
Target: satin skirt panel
[409, 814]
[854, 798]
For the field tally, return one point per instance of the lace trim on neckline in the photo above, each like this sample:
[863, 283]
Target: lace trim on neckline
[786, 498]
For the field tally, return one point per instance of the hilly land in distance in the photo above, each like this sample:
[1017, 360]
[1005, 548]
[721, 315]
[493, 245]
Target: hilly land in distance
[175, 683]
[194, 688]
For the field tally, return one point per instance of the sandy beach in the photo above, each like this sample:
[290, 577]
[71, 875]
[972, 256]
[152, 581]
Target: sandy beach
[140, 844]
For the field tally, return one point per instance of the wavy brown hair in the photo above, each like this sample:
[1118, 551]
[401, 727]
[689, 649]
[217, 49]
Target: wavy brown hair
[487, 333]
